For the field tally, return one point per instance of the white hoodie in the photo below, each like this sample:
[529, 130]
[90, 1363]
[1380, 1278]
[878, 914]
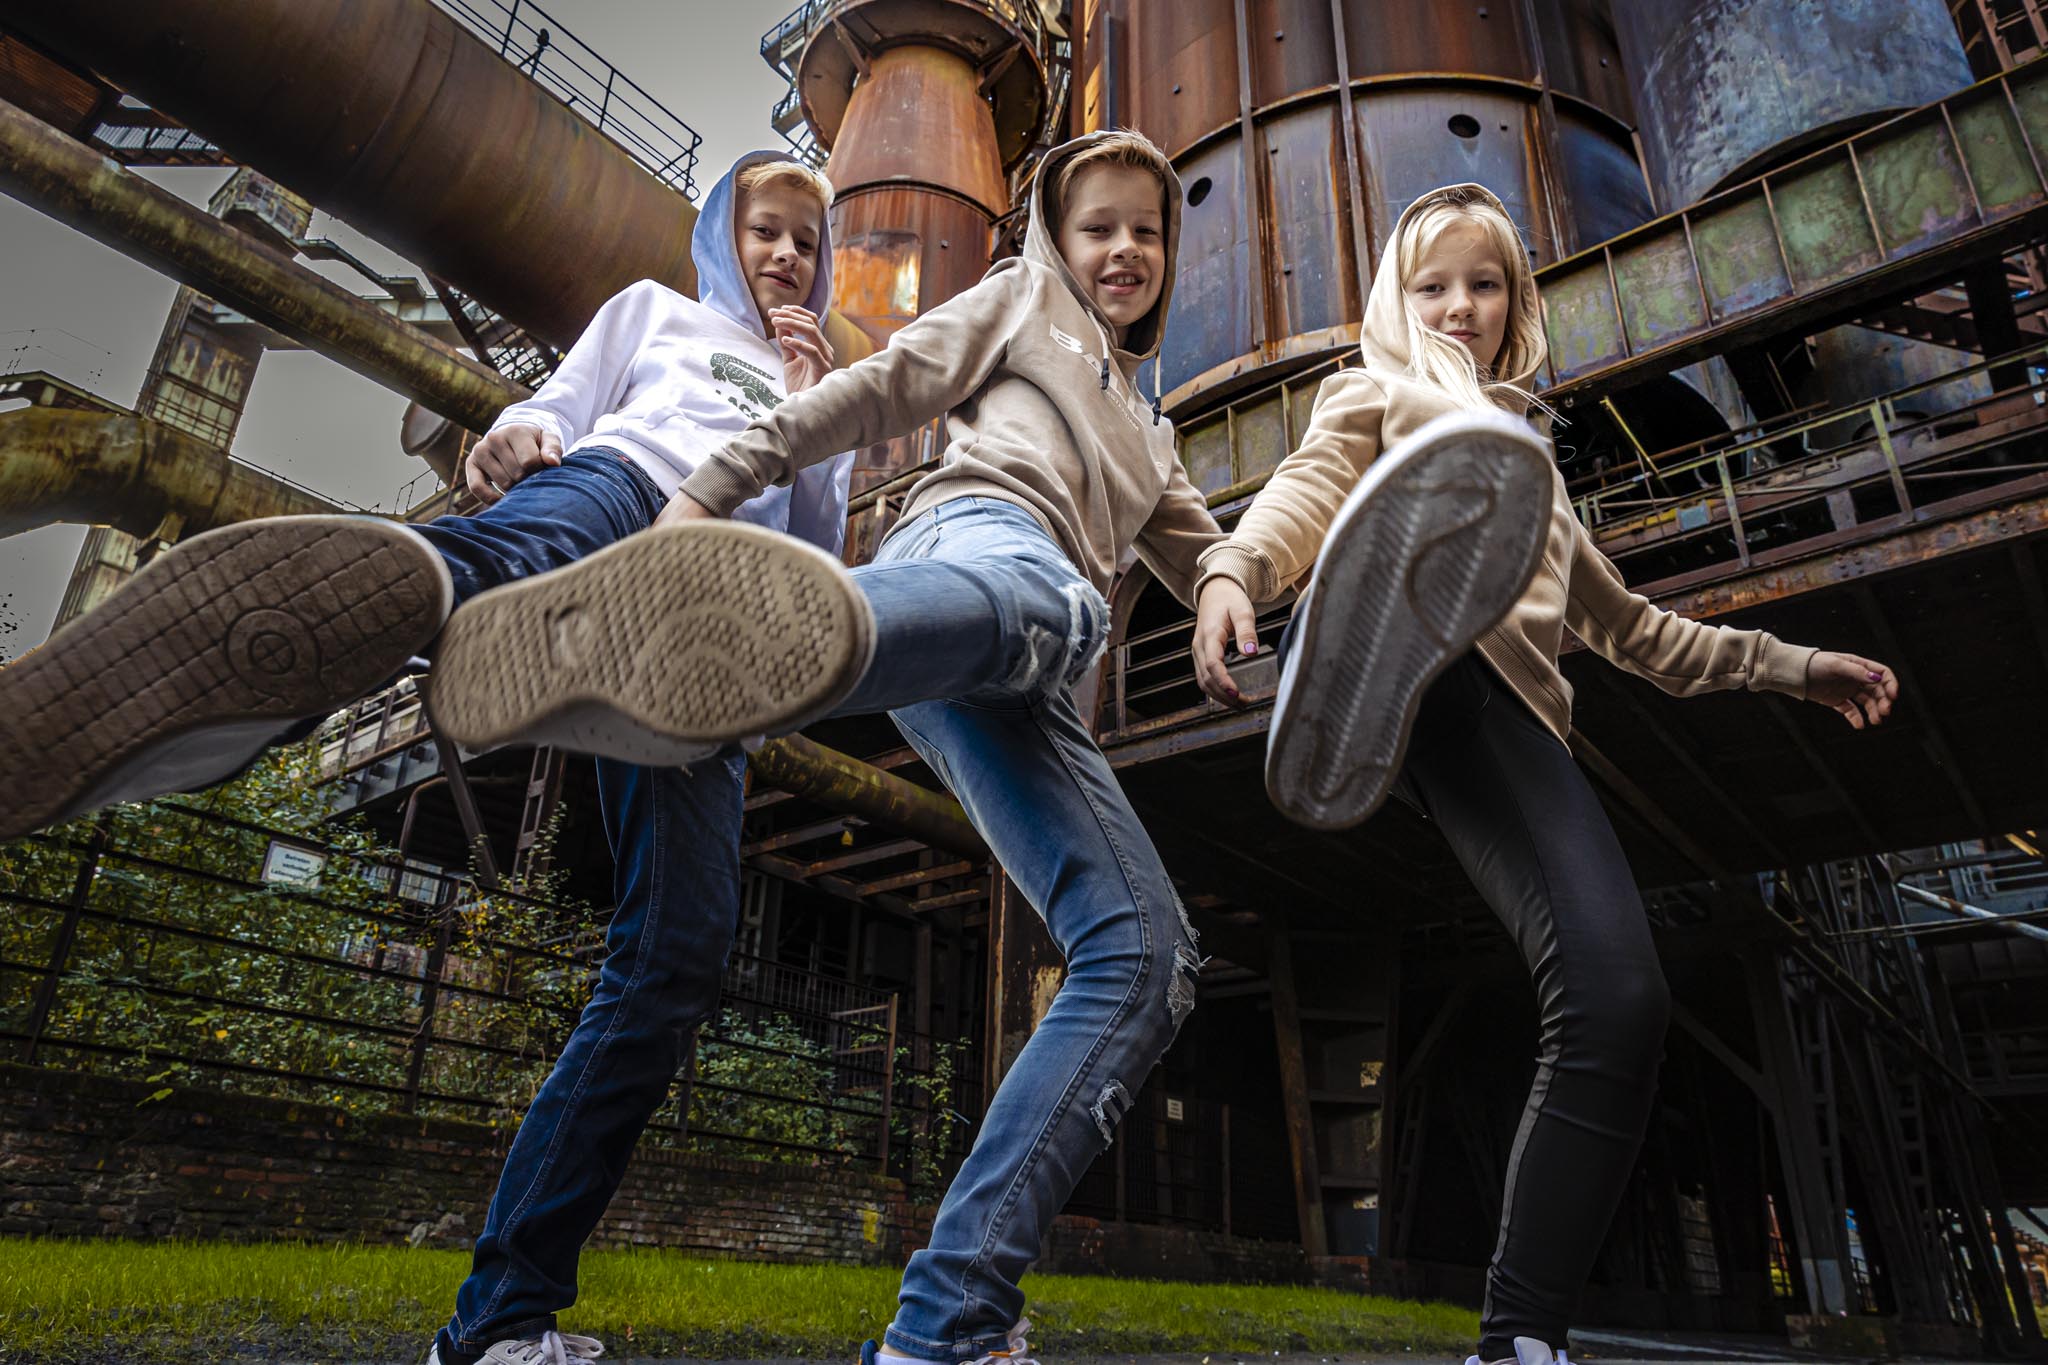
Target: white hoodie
[667, 379]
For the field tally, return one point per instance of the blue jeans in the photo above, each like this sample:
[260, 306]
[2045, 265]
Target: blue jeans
[675, 839]
[983, 625]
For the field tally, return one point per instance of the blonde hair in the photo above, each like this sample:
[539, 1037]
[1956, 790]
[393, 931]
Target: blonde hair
[1442, 360]
[796, 175]
[1120, 147]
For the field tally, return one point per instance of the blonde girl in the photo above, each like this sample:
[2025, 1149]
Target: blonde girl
[1425, 518]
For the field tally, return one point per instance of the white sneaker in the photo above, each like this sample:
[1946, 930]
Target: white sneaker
[549, 1348]
[1435, 545]
[1528, 1351]
[1016, 1352]
[658, 650]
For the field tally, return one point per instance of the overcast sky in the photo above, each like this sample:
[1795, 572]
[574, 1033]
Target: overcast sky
[92, 316]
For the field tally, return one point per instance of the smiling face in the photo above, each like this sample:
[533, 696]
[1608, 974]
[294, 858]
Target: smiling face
[1460, 288]
[779, 226]
[1113, 237]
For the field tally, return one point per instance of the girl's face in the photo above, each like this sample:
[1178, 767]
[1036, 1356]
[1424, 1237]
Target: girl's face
[1460, 288]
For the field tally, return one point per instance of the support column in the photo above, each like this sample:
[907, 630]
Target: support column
[1815, 1221]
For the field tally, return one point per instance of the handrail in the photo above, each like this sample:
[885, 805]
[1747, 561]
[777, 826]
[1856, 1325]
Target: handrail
[602, 95]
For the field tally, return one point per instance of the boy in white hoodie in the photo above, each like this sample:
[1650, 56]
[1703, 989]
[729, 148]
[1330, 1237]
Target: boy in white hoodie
[234, 639]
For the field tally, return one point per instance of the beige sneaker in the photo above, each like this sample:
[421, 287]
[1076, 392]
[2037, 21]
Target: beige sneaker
[659, 649]
[215, 649]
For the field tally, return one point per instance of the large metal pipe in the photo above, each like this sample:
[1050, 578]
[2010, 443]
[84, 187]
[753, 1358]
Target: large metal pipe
[838, 782]
[393, 116]
[67, 180]
[127, 472]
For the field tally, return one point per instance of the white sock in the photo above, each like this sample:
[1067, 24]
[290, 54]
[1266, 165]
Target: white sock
[889, 1353]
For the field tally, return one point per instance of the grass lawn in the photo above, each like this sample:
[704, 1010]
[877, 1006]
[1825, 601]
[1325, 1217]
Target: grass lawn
[74, 1302]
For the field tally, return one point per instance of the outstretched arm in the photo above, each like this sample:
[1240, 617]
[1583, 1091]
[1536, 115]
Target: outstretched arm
[928, 368]
[1687, 657]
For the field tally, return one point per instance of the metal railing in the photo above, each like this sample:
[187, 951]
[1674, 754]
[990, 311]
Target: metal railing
[534, 41]
[171, 944]
[789, 36]
[1902, 457]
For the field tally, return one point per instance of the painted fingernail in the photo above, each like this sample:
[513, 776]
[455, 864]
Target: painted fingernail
[1875, 677]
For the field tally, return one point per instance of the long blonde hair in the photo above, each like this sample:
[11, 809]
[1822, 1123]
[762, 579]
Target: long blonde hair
[1438, 359]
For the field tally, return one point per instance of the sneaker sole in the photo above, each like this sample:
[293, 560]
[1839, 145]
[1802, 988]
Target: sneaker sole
[217, 646]
[657, 650]
[1435, 546]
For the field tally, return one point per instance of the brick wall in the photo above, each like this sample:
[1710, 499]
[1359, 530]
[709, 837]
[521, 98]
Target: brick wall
[91, 1156]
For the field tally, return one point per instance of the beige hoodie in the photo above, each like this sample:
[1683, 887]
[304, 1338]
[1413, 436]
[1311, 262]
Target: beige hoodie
[1040, 409]
[1361, 412]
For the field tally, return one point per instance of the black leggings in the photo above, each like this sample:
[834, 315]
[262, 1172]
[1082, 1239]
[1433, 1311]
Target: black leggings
[1528, 830]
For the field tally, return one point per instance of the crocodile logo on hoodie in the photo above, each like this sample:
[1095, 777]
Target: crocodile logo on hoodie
[756, 390]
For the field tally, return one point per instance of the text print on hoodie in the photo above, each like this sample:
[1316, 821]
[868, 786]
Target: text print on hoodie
[667, 379]
[1360, 413]
[1040, 407]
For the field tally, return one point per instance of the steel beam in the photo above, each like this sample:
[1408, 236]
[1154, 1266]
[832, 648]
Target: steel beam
[70, 182]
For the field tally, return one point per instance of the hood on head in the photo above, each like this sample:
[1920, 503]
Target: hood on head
[1141, 338]
[1383, 340]
[714, 248]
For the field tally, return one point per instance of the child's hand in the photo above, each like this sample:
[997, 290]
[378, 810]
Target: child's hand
[684, 508]
[1861, 689]
[506, 456]
[806, 355]
[1224, 620]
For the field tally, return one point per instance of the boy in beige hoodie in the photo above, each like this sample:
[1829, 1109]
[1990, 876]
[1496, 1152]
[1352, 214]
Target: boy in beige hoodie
[985, 605]
[1445, 573]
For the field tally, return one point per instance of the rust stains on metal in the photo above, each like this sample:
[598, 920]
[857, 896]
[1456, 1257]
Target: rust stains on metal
[806, 768]
[403, 123]
[127, 472]
[1292, 120]
[924, 103]
[1726, 87]
[1902, 205]
[999, 40]
[919, 118]
[62, 178]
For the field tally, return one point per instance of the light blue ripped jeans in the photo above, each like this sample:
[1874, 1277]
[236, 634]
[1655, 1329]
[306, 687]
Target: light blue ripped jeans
[983, 626]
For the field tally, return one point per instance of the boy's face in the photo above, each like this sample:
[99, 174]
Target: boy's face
[779, 230]
[1113, 237]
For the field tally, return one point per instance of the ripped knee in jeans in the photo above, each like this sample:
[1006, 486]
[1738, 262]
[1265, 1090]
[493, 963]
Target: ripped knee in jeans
[1059, 655]
[1187, 970]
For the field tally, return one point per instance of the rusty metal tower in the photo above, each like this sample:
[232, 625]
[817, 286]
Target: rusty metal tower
[919, 109]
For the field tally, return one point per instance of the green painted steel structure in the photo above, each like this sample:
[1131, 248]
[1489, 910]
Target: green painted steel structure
[1887, 212]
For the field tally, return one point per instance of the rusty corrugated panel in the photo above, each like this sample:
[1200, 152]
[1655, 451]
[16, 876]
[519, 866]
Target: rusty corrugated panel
[1274, 257]
[397, 119]
[1726, 87]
